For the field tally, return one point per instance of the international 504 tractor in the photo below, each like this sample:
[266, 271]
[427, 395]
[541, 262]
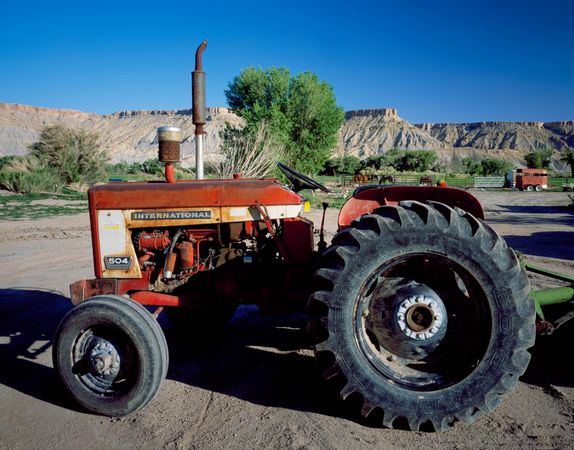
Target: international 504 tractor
[417, 308]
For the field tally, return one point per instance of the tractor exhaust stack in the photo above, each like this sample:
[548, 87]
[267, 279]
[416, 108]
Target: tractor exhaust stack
[198, 101]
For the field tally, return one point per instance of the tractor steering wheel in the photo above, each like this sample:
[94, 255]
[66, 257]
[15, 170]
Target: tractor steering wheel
[300, 181]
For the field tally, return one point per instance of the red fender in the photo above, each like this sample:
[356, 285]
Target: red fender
[364, 201]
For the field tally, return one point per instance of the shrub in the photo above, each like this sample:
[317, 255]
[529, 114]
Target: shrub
[251, 155]
[27, 175]
[74, 154]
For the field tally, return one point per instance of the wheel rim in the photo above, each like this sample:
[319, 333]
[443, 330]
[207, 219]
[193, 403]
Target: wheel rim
[422, 322]
[104, 360]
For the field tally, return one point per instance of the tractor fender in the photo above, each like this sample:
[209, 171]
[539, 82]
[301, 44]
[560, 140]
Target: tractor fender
[366, 199]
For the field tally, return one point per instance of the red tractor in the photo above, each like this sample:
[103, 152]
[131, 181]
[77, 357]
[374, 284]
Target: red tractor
[417, 307]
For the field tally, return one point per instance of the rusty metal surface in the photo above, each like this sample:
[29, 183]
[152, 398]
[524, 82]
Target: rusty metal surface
[366, 201]
[197, 193]
[84, 289]
[168, 151]
[198, 90]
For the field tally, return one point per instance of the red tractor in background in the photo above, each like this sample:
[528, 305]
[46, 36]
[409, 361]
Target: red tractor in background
[417, 307]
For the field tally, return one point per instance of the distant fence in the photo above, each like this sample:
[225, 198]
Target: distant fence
[489, 182]
[350, 181]
[433, 180]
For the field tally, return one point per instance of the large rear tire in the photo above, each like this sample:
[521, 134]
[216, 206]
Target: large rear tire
[422, 313]
[111, 355]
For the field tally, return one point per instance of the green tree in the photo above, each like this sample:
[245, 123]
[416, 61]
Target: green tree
[494, 167]
[539, 159]
[416, 160]
[300, 112]
[568, 158]
[471, 166]
[74, 154]
[348, 165]
[374, 161]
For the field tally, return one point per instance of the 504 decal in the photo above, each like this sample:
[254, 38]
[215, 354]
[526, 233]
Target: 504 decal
[117, 262]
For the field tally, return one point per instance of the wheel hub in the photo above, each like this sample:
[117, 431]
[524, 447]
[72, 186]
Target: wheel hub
[407, 320]
[104, 359]
[419, 317]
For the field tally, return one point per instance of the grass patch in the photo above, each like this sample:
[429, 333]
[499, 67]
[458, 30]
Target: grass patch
[34, 206]
[336, 198]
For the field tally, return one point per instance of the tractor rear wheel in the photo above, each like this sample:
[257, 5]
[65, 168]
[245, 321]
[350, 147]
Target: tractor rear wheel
[422, 314]
[111, 355]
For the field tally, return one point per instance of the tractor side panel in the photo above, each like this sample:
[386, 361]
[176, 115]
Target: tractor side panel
[297, 238]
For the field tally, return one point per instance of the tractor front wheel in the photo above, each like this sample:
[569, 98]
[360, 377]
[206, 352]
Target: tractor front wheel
[111, 355]
[421, 314]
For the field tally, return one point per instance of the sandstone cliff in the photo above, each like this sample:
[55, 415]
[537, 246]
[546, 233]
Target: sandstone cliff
[502, 135]
[131, 135]
[372, 131]
[127, 135]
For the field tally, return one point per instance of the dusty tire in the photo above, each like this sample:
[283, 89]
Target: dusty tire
[537, 188]
[111, 355]
[409, 255]
[529, 188]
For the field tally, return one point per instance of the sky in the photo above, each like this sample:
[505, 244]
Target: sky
[435, 61]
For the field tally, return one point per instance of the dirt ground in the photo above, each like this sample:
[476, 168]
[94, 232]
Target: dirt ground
[256, 384]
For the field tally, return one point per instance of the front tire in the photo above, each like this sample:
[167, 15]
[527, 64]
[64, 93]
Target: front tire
[111, 355]
[421, 312]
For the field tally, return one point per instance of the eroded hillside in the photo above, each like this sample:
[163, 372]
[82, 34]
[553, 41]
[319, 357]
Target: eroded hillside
[131, 135]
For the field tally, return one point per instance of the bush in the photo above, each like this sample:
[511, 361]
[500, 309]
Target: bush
[252, 155]
[73, 154]
[27, 175]
[123, 168]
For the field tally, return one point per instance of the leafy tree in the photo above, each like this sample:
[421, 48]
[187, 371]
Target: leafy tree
[348, 165]
[300, 112]
[471, 166]
[538, 159]
[73, 154]
[568, 158]
[416, 160]
[375, 162]
[494, 167]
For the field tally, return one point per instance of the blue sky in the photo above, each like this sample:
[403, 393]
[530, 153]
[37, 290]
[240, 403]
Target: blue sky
[435, 61]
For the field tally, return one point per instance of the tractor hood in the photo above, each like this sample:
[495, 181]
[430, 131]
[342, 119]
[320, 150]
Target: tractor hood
[195, 193]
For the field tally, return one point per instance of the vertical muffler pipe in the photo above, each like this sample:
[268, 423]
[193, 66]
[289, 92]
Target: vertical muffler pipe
[198, 102]
[169, 140]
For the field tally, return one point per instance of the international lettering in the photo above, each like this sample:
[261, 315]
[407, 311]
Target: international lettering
[171, 215]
